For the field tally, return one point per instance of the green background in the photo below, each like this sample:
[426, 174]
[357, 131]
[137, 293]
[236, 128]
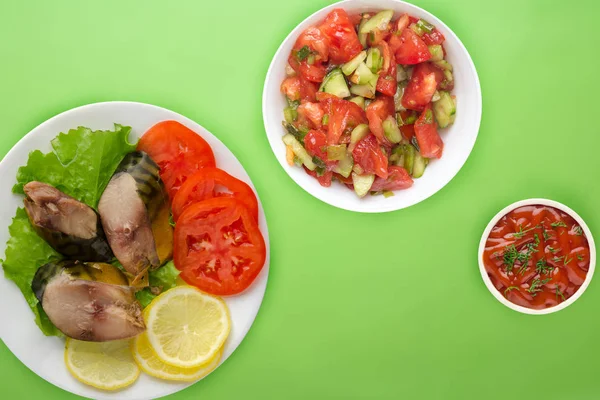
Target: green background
[357, 306]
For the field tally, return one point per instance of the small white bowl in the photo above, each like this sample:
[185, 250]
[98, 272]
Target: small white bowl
[549, 203]
[459, 138]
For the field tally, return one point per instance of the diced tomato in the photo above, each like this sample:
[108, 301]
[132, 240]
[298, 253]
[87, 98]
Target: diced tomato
[321, 96]
[408, 131]
[398, 179]
[377, 112]
[370, 157]
[343, 39]
[291, 88]
[316, 41]
[312, 72]
[421, 87]
[312, 112]
[394, 40]
[324, 179]
[435, 37]
[430, 142]
[402, 23]
[387, 83]
[308, 90]
[218, 246]
[411, 49]
[315, 143]
[412, 20]
[355, 19]
[343, 115]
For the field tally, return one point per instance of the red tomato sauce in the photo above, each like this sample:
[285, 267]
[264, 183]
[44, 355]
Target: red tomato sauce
[537, 256]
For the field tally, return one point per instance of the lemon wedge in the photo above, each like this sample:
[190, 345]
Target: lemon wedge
[146, 358]
[186, 328]
[103, 365]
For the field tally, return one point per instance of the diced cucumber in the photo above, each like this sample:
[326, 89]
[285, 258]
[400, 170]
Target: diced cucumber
[448, 78]
[362, 37]
[325, 119]
[367, 91]
[335, 84]
[444, 109]
[391, 131]
[387, 193]
[374, 60]
[443, 64]
[299, 151]
[359, 132]
[344, 166]
[436, 96]
[357, 169]
[290, 114]
[416, 29]
[425, 26]
[397, 156]
[437, 53]
[453, 115]
[401, 74]
[409, 158]
[336, 152]
[362, 183]
[289, 71]
[360, 101]
[398, 97]
[362, 75]
[419, 165]
[378, 21]
[351, 65]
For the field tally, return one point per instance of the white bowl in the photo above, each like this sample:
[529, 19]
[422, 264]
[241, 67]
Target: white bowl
[45, 355]
[529, 202]
[458, 138]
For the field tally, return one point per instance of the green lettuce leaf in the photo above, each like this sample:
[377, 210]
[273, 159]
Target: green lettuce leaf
[81, 164]
[163, 278]
[25, 252]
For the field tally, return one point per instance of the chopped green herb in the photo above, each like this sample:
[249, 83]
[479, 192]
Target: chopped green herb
[547, 236]
[510, 256]
[536, 285]
[298, 134]
[541, 267]
[578, 231]
[523, 269]
[303, 53]
[425, 26]
[415, 143]
[558, 223]
[552, 249]
[508, 289]
[520, 233]
[567, 260]
[559, 293]
[557, 259]
[579, 257]
[293, 104]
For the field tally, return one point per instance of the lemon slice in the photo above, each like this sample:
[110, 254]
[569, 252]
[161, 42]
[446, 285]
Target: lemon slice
[152, 365]
[103, 365]
[185, 327]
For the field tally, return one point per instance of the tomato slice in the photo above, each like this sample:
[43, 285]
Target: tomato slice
[377, 112]
[218, 246]
[430, 142]
[435, 37]
[343, 115]
[178, 151]
[213, 182]
[324, 179]
[398, 179]
[387, 82]
[408, 131]
[411, 49]
[344, 44]
[371, 158]
[421, 87]
[290, 87]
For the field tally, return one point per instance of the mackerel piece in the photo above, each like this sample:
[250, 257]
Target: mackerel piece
[135, 215]
[69, 226]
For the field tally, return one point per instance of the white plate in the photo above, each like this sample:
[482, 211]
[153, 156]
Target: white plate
[44, 355]
[529, 202]
[459, 138]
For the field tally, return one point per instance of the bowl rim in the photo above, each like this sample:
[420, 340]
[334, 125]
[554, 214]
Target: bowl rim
[390, 206]
[528, 202]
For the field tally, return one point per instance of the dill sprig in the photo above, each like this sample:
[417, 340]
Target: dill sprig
[536, 286]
